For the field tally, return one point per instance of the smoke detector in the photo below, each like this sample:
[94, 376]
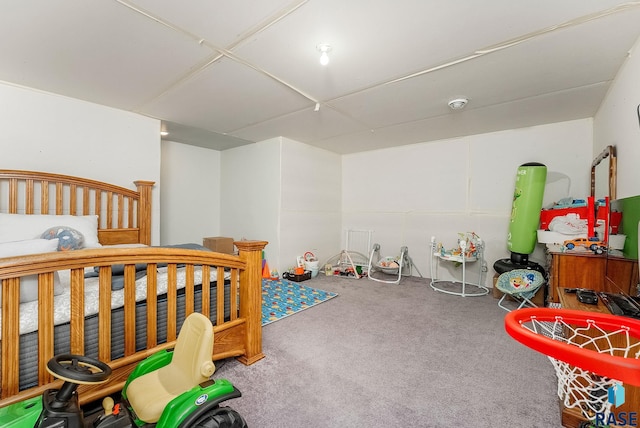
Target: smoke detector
[458, 103]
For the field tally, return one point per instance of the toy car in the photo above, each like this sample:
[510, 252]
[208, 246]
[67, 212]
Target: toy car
[168, 389]
[594, 244]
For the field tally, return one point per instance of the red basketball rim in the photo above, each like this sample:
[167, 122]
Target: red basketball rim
[623, 369]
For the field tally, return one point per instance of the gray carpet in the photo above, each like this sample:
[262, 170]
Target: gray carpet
[383, 355]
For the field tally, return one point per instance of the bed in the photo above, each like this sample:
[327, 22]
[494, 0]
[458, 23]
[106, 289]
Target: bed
[107, 292]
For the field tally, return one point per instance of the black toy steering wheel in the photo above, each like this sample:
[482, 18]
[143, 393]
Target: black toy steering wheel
[78, 369]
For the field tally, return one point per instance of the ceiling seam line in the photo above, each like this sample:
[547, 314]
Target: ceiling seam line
[159, 20]
[185, 77]
[221, 51]
[268, 23]
[212, 59]
[481, 52]
[567, 24]
[375, 129]
[372, 128]
[497, 47]
[239, 60]
[525, 38]
[181, 80]
[358, 121]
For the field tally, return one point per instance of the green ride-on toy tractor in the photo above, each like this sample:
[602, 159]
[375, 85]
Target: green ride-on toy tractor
[168, 389]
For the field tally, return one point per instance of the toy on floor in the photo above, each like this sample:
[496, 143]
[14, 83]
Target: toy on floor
[352, 261]
[168, 389]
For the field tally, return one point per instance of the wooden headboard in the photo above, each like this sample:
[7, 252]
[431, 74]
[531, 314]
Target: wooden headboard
[124, 215]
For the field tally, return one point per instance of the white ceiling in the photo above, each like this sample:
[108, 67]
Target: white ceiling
[224, 73]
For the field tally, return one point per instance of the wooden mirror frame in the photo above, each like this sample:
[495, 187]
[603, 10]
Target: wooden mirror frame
[608, 152]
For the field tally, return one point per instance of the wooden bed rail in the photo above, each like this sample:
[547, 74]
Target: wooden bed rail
[238, 335]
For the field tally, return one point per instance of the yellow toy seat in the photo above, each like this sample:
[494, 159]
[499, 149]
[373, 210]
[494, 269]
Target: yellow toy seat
[190, 365]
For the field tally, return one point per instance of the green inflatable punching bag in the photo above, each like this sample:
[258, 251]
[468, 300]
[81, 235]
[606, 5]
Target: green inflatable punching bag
[525, 212]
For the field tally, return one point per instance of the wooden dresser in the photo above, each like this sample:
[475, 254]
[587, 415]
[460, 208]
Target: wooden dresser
[592, 271]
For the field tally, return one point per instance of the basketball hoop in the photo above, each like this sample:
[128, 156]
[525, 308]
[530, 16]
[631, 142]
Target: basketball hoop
[590, 351]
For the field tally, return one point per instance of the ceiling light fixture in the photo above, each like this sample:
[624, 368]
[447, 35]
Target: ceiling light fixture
[458, 103]
[324, 53]
[163, 129]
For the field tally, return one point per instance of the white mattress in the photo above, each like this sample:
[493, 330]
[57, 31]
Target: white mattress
[29, 310]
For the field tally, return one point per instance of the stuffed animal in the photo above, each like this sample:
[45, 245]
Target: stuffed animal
[68, 238]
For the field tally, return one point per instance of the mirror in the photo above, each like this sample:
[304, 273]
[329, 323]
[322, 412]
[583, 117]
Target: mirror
[603, 174]
[621, 271]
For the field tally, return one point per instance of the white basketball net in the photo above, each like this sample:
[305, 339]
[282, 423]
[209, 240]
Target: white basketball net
[578, 388]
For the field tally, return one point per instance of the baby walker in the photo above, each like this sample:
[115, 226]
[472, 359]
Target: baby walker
[470, 249]
[400, 265]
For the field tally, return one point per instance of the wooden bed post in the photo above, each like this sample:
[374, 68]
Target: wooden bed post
[144, 210]
[251, 298]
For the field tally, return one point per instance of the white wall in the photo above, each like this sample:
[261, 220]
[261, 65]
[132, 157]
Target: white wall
[408, 194]
[310, 219]
[47, 132]
[190, 196]
[617, 123]
[250, 194]
[284, 192]
[404, 194]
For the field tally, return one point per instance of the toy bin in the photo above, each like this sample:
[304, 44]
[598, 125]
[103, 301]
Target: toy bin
[297, 278]
[547, 215]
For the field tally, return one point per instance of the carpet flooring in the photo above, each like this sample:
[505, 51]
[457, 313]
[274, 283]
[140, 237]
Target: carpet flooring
[382, 355]
[282, 298]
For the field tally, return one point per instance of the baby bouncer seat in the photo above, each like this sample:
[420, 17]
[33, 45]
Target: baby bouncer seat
[401, 265]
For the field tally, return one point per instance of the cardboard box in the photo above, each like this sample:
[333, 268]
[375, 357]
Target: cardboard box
[496, 293]
[219, 244]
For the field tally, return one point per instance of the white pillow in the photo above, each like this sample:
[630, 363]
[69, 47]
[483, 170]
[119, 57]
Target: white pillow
[18, 227]
[29, 287]
[29, 246]
[29, 283]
